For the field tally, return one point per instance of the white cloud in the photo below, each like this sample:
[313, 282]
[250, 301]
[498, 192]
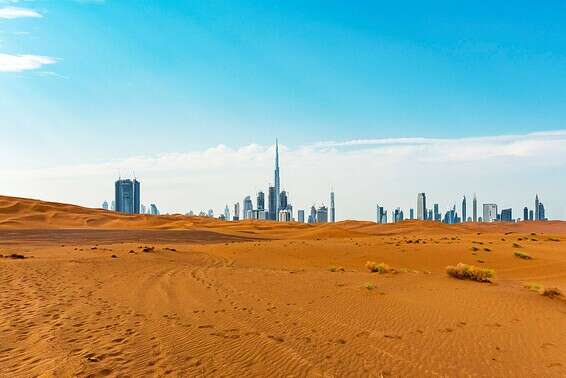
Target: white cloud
[507, 170]
[18, 63]
[15, 12]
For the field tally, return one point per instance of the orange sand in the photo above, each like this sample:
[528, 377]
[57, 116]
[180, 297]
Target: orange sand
[259, 298]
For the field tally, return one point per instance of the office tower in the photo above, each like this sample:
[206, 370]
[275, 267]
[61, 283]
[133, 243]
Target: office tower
[113, 205]
[531, 215]
[143, 209]
[489, 212]
[525, 214]
[236, 211]
[411, 213]
[429, 214]
[210, 213]
[507, 215]
[127, 196]
[421, 206]
[283, 201]
[226, 213]
[222, 217]
[332, 208]
[284, 215]
[247, 207]
[301, 216]
[464, 209]
[322, 214]
[260, 201]
[475, 208]
[272, 203]
[379, 217]
[541, 214]
[312, 216]
[105, 205]
[398, 215]
[153, 209]
[277, 182]
[437, 215]
[290, 210]
[537, 215]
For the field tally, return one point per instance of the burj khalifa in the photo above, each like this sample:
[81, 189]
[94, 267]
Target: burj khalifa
[277, 180]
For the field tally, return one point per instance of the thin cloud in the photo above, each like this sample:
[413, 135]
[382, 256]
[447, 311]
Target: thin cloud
[15, 12]
[19, 63]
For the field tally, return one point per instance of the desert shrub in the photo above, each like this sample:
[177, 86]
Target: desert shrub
[470, 272]
[515, 245]
[551, 292]
[369, 285]
[379, 268]
[487, 249]
[523, 255]
[337, 269]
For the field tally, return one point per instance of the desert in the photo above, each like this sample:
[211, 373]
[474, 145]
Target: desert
[88, 292]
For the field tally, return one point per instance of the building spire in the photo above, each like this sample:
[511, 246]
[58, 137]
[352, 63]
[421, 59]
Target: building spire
[277, 179]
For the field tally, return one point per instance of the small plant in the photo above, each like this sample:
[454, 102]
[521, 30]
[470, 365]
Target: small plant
[523, 255]
[379, 268]
[470, 272]
[487, 249]
[515, 245]
[534, 287]
[551, 292]
[369, 285]
[337, 269]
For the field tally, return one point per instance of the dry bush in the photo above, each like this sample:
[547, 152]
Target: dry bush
[470, 272]
[551, 292]
[337, 269]
[523, 255]
[475, 249]
[515, 245]
[379, 268]
[369, 285]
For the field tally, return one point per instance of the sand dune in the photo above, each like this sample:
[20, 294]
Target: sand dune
[211, 298]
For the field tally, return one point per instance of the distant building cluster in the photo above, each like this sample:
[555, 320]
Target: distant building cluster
[127, 199]
[489, 213]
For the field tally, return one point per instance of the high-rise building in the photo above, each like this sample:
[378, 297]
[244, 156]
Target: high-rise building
[531, 215]
[322, 214]
[380, 214]
[525, 214]
[301, 216]
[284, 215]
[127, 196]
[143, 209]
[411, 213]
[537, 215]
[105, 205]
[464, 210]
[272, 203]
[421, 206]
[398, 215]
[312, 216]
[260, 201]
[429, 214]
[153, 209]
[236, 211]
[437, 216]
[113, 205]
[489, 212]
[247, 207]
[541, 214]
[283, 201]
[332, 208]
[507, 215]
[475, 209]
[277, 178]
[226, 213]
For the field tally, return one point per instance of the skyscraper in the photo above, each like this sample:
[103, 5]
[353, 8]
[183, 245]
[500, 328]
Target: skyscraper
[277, 179]
[260, 201]
[105, 205]
[272, 203]
[301, 216]
[537, 215]
[127, 196]
[506, 215]
[283, 201]
[381, 215]
[236, 211]
[525, 214]
[489, 212]
[464, 209]
[437, 215]
[475, 209]
[322, 214]
[421, 206]
[411, 213]
[247, 208]
[332, 208]
[226, 213]
[312, 216]
[153, 209]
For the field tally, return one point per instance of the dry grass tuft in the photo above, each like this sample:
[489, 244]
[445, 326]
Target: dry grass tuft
[551, 292]
[523, 255]
[369, 285]
[379, 268]
[337, 269]
[470, 272]
[515, 245]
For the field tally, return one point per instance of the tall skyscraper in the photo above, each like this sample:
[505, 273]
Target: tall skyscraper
[475, 209]
[236, 211]
[312, 216]
[489, 212]
[226, 213]
[322, 214]
[506, 215]
[301, 216]
[537, 215]
[531, 215]
[105, 205]
[277, 179]
[525, 214]
[272, 203]
[260, 201]
[332, 208]
[283, 201]
[153, 209]
[127, 196]
[421, 206]
[381, 215]
[464, 210]
[437, 216]
[411, 213]
[247, 207]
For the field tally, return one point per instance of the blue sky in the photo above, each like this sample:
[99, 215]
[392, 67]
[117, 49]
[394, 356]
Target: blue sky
[131, 78]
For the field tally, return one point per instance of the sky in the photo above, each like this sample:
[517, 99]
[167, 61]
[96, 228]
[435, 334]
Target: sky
[378, 100]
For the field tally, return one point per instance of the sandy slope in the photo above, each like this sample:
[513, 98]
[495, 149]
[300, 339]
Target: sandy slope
[228, 299]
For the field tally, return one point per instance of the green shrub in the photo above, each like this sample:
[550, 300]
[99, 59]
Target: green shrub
[379, 268]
